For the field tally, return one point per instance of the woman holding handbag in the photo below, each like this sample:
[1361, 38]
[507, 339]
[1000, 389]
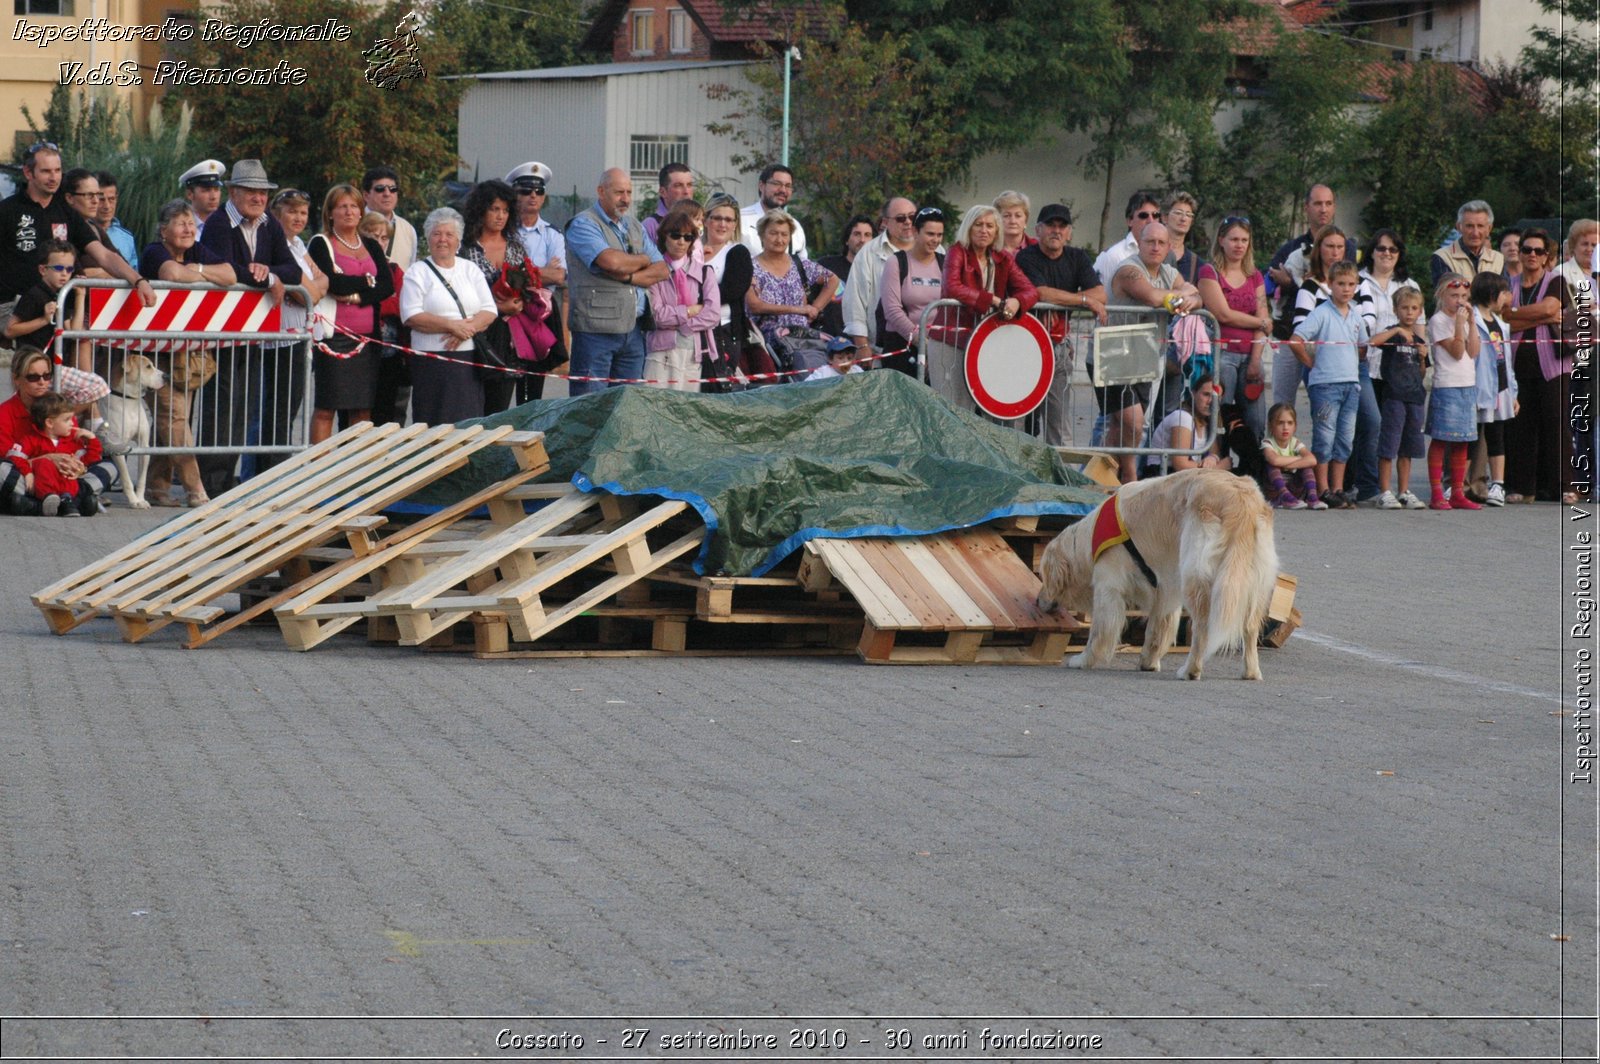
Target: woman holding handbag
[494, 247]
[787, 292]
[446, 304]
[358, 281]
[686, 306]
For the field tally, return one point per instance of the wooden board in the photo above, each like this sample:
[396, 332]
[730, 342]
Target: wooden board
[968, 589]
[178, 570]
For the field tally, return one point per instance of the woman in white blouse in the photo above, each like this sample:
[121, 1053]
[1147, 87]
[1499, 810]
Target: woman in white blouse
[445, 302]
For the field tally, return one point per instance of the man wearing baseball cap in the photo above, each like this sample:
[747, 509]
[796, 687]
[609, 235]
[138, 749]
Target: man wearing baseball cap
[202, 187]
[1065, 276]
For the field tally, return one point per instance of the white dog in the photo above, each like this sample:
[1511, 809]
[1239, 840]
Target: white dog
[125, 411]
[1199, 538]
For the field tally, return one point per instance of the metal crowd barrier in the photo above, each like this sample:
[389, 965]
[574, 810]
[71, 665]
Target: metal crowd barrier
[237, 382]
[1135, 346]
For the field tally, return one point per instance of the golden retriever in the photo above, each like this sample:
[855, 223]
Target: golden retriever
[1206, 535]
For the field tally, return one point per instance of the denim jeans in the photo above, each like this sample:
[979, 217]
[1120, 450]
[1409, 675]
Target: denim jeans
[1363, 475]
[1230, 374]
[1287, 373]
[619, 356]
[1333, 419]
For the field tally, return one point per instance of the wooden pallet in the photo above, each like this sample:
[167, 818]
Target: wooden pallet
[503, 573]
[967, 590]
[178, 571]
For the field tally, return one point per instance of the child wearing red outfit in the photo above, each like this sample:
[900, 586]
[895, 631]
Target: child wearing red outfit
[55, 431]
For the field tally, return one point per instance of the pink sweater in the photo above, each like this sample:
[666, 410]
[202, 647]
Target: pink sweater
[668, 309]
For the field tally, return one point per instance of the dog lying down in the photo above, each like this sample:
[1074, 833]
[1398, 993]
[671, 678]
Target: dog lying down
[1199, 539]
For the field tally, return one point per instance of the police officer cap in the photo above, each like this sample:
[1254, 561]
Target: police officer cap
[208, 173]
[530, 176]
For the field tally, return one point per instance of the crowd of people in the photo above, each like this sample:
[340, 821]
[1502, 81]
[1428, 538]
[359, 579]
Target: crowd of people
[717, 296]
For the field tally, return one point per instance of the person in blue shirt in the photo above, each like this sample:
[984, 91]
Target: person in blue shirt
[610, 266]
[122, 238]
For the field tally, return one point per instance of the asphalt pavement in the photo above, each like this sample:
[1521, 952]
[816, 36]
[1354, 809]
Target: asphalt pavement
[1377, 851]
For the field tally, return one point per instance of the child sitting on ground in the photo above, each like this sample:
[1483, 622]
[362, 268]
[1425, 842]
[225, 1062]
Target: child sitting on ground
[1403, 355]
[1287, 458]
[56, 432]
[1452, 408]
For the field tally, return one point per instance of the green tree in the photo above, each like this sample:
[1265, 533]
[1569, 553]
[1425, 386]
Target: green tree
[1301, 132]
[529, 35]
[1567, 58]
[336, 124]
[1418, 156]
[866, 122]
[1167, 89]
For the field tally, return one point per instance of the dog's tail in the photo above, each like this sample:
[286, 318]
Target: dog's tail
[1243, 568]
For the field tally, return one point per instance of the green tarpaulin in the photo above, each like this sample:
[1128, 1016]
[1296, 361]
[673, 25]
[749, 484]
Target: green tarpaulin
[871, 454]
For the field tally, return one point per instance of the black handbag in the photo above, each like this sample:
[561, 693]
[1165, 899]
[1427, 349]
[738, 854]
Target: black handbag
[491, 348]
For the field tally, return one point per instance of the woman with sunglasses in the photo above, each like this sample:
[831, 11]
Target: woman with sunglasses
[1539, 438]
[686, 305]
[33, 376]
[911, 281]
[1383, 275]
[359, 281]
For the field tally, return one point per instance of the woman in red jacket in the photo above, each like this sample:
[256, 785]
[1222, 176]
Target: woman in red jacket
[984, 278]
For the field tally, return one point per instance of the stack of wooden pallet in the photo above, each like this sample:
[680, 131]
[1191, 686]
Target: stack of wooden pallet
[587, 574]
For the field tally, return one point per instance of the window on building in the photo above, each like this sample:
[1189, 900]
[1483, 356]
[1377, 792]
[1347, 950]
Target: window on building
[648, 154]
[1427, 17]
[43, 7]
[678, 30]
[644, 32]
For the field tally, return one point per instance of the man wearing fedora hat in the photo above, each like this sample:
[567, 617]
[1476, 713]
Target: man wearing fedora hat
[249, 239]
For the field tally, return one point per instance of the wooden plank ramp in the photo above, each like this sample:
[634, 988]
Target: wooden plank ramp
[590, 546]
[177, 571]
[962, 597]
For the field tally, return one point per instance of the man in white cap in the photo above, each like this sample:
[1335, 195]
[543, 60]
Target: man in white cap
[250, 240]
[202, 187]
[547, 251]
[546, 247]
[380, 186]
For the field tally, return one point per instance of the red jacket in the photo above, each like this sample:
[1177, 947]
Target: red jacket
[963, 281]
[34, 444]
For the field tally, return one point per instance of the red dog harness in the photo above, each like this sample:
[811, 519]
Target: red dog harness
[1110, 530]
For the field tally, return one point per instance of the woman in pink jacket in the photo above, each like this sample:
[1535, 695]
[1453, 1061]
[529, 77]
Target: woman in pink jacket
[686, 306]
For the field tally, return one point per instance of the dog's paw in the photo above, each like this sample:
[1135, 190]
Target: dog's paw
[1191, 673]
[1080, 661]
[1149, 666]
[139, 504]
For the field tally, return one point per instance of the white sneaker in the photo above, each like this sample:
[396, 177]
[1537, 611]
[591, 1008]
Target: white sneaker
[1496, 495]
[1387, 501]
[1411, 502]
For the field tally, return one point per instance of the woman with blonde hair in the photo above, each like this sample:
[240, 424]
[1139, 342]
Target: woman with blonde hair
[1235, 293]
[359, 280]
[983, 277]
[1014, 209]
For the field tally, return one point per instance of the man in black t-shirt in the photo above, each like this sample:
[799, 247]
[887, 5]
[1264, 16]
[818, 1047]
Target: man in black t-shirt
[1065, 276]
[38, 213]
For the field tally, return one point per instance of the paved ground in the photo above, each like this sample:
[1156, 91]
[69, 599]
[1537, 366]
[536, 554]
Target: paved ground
[1373, 853]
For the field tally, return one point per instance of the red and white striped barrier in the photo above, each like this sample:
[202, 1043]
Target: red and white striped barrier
[181, 310]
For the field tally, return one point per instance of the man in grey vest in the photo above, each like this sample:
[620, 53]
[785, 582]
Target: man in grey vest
[610, 264]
